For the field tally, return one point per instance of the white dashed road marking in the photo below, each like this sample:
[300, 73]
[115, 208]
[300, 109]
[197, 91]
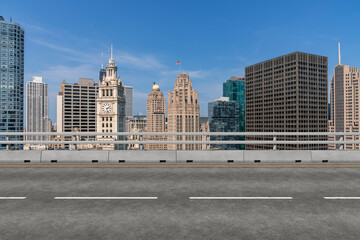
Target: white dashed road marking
[241, 198]
[105, 198]
[12, 198]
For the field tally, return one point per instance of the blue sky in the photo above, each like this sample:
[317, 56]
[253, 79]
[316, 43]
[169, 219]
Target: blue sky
[213, 39]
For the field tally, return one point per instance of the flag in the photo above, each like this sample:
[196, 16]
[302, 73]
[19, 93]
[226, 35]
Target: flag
[178, 62]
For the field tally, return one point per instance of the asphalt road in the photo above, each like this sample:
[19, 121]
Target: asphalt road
[275, 203]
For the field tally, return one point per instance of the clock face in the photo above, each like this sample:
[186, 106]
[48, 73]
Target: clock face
[106, 107]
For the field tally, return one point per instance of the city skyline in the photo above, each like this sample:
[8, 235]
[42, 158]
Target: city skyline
[147, 49]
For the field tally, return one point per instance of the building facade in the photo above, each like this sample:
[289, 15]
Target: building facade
[110, 112]
[204, 127]
[224, 116]
[102, 74]
[234, 89]
[37, 108]
[183, 113]
[344, 104]
[11, 80]
[129, 101]
[287, 94]
[155, 118]
[135, 125]
[76, 107]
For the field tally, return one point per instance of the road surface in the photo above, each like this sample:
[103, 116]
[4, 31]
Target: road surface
[177, 202]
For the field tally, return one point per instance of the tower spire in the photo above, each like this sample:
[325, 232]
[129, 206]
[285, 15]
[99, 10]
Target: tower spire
[111, 57]
[339, 55]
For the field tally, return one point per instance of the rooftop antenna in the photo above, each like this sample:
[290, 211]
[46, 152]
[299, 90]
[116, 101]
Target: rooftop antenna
[102, 60]
[339, 55]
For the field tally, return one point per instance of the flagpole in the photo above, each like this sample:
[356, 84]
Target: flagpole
[178, 63]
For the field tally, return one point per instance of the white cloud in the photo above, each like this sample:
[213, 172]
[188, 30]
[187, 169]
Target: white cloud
[141, 61]
[122, 59]
[55, 75]
[71, 54]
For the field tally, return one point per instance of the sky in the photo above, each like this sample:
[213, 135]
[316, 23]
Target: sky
[213, 40]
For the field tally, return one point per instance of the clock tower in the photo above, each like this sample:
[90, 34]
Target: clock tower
[110, 105]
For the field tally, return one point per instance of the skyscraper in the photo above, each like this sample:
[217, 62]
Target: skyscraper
[344, 104]
[102, 74]
[224, 116]
[155, 118]
[12, 80]
[129, 101]
[111, 107]
[183, 113]
[287, 94]
[37, 108]
[234, 89]
[76, 107]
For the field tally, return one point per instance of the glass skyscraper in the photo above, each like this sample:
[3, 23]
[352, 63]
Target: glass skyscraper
[224, 116]
[234, 89]
[11, 80]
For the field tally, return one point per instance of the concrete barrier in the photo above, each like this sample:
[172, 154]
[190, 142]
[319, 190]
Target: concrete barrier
[20, 156]
[63, 156]
[236, 156]
[335, 156]
[277, 156]
[142, 156]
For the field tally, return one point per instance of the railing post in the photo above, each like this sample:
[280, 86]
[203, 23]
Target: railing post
[207, 145]
[274, 146]
[341, 145]
[8, 145]
[75, 145]
[141, 146]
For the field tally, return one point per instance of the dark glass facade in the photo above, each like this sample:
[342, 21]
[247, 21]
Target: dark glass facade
[234, 89]
[102, 74]
[11, 80]
[224, 116]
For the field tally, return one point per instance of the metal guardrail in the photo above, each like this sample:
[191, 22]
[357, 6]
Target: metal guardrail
[178, 142]
[274, 142]
[180, 134]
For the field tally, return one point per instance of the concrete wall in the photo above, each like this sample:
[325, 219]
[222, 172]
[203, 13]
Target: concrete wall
[210, 156]
[75, 156]
[335, 156]
[20, 156]
[142, 156]
[268, 156]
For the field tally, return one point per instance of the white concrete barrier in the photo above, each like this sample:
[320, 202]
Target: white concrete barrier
[277, 156]
[236, 156]
[20, 156]
[74, 156]
[142, 156]
[335, 156]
